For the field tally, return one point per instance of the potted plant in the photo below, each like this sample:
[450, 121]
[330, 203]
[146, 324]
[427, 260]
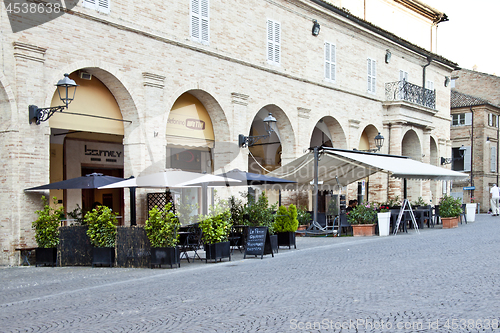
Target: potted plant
[260, 214]
[362, 219]
[304, 218]
[449, 210]
[285, 225]
[101, 231]
[419, 202]
[384, 219]
[161, 229]
[47, 233]
[215, 230]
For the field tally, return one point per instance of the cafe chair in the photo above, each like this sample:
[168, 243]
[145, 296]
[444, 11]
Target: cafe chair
[343, 224]
[193, 243]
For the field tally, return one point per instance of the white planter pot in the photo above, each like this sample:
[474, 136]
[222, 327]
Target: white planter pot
[384, 221]
[470, 211]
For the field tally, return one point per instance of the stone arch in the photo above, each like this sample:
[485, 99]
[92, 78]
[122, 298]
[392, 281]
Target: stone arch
[7, 104]
[411, 146]
[285, 130]
[434, 152]
[366, 140]
[335, 132]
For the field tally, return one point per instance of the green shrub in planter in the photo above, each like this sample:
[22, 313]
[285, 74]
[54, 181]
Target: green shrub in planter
[161, 227]
[286, 219]
[216, 228]
[450, 207]
[303, 216]
[259, 212]
[102, 224]
[47, 225]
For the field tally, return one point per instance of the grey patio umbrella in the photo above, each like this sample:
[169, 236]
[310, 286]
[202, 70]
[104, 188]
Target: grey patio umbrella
[91, 181]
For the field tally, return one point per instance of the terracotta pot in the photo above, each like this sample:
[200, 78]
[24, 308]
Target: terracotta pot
[363, 229]
[450, 222]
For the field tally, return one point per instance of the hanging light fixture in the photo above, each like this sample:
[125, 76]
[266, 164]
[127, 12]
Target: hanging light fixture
[248, 141]
[316, 27]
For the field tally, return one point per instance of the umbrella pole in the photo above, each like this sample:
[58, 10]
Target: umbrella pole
[204, 198]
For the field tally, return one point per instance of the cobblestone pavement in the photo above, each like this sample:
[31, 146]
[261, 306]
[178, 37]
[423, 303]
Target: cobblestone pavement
[435, 281]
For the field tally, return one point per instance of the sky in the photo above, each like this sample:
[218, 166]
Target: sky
[471, 36]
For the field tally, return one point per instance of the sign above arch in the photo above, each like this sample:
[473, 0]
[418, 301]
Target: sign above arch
[189, 123]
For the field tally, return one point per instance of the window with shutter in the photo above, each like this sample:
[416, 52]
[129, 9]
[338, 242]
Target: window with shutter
[467, 158]
[493, 159]
[200, 21]
[102, 6]
[430, 85]
[273, 42]
[490, 120]
[372, 75]
[468, 118]
[330, 61]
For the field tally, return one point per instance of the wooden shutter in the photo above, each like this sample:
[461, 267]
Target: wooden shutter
[195, 20]
[330, 61]
[205, 21]
[372, 72]
[467, 159]
[490, 119]
[468, 118]
[270, 41]
[103, 6]
[277, 42]
[493, 159]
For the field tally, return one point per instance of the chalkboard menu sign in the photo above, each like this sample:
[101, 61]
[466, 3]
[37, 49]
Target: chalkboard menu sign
[258, 242]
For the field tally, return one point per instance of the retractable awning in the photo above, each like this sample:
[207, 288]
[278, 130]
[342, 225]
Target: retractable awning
[342, 167]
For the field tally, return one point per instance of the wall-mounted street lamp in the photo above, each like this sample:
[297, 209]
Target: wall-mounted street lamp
[449, 160]
[316, 27]
[66, 89]
[379, 143]
[248, 141]
[388, 56]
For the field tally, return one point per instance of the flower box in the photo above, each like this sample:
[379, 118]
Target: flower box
[450, 222]
[363, 230]
[104, 256]
[218, 251]
[286, 239]
[46, 256]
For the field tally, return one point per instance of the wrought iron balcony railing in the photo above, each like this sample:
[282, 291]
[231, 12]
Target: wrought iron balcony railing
[406, 91]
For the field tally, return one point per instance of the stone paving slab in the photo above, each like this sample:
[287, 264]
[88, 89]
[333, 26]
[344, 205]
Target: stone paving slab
[435, 281]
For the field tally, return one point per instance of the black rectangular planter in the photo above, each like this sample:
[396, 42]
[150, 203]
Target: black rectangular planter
[218, 251]
[104, 256]
[274, 242]
[286, 239]
[165, 256]
[47, 257]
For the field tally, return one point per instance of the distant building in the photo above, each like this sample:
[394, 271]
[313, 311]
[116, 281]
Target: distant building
[475, 113]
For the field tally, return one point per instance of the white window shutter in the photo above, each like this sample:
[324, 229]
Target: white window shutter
[270, 41]
[497, 120]
[467, 159]
[369, 70]
[333, 59]
[327, 60]
[490, 119]
[374, 75]
[89, 4]
[103, 6]
[468, 118]
[493, 161]
[195, 20]
[205, 22]
[277, 42]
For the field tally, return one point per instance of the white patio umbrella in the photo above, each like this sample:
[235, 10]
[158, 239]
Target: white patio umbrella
[168, 178]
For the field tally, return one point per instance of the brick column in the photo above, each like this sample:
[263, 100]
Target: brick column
[30, 167]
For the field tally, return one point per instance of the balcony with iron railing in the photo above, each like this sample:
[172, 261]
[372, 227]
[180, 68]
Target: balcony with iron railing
[409, 92]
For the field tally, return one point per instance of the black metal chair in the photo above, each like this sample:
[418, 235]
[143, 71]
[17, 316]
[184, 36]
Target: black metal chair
[437, 217]
[343, 224]
[193, 242]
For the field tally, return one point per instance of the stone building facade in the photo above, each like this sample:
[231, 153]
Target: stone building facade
[228, 64]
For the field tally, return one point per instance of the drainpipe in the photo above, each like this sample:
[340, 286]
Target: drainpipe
[472, 153]
[429, 60]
